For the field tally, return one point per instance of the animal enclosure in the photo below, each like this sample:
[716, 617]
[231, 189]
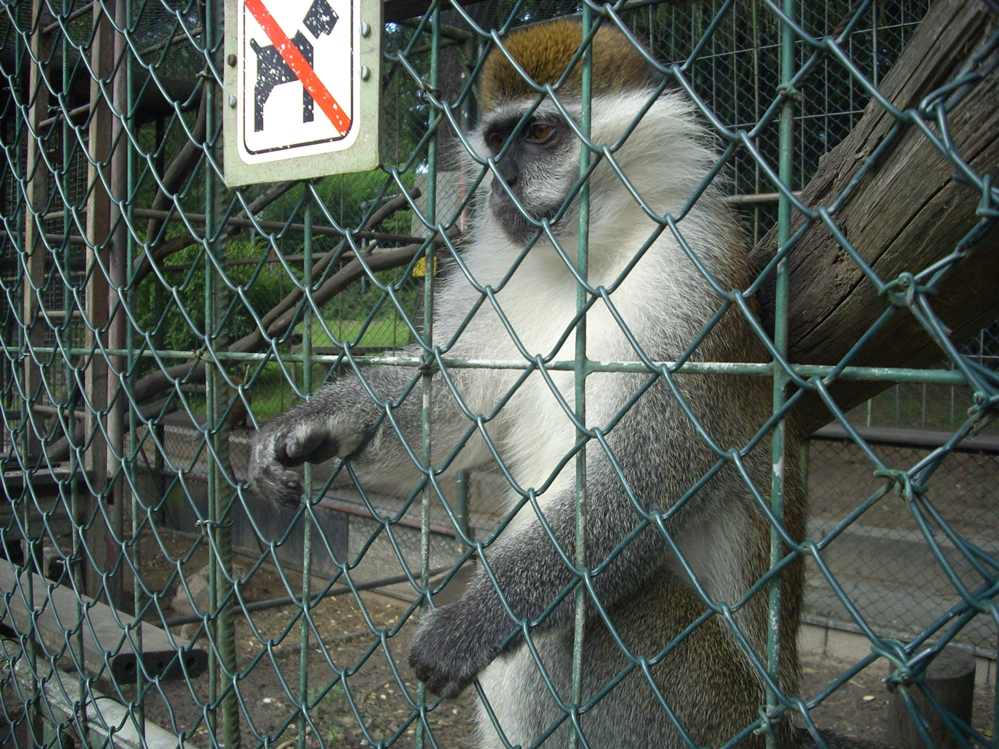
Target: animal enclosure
[152, 318]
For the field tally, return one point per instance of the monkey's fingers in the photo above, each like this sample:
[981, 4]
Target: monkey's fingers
[446, 653]
[309, 443]
[452, 689]
[438, 682]
[277, 484]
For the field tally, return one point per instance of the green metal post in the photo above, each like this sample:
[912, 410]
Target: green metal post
[461, 506]
[428, 331]
[222, 677]
[780, 342]
[580, 370]
[159, 342]
[303, 661]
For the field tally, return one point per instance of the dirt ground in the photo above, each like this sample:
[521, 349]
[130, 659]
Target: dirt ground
[371, 706]
[374, 701]
[860, 709]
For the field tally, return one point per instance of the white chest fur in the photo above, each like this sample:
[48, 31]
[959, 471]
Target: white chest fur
[532, 314]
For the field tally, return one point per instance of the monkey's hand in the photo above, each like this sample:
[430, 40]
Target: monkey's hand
[453, 644]
[286, 442]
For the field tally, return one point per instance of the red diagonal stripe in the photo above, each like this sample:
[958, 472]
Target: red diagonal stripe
[299, 66]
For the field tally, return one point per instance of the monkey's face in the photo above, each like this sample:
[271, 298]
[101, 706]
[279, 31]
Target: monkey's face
[537, 164]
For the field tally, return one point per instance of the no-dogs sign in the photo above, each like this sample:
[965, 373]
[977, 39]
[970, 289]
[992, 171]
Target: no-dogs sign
[301, 88]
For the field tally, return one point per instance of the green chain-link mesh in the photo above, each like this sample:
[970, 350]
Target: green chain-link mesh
[153, 317]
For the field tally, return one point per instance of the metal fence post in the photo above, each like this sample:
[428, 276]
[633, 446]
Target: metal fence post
[303, 658]
[580, 371]
[427, 354]
[780, 377]
[461, 497]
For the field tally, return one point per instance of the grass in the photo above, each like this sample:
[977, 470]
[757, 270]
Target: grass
[390, 332]
[273, 394]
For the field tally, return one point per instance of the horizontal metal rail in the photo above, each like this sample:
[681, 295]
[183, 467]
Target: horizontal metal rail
[872, 374]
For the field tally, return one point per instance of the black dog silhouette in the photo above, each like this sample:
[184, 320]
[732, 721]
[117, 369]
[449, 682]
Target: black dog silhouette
[272, 70]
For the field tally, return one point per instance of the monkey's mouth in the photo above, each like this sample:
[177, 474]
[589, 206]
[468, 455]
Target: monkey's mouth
[519, 226]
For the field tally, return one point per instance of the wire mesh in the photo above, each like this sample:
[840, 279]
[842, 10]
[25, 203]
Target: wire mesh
[155, 318]
[883, 562]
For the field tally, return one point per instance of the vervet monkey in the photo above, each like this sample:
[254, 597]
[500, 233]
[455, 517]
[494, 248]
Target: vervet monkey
[712, 688]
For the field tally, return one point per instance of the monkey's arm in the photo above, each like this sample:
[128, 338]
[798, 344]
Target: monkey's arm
[457, 641]
[338, 419]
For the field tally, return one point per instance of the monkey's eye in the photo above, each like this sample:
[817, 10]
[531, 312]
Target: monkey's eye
[495, 141]
[539, 131]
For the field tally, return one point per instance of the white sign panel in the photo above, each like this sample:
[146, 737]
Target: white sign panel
[302, 79]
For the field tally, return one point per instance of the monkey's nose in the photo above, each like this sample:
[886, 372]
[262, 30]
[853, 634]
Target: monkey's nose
[510, 179]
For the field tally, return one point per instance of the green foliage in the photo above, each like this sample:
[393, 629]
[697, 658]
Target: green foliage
[174, 315]
[366, 317]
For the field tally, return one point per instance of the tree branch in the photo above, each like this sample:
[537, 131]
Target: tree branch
[277, 321]
[907, 213]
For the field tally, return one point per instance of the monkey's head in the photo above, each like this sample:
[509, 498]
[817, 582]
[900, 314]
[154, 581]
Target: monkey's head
[536, 149]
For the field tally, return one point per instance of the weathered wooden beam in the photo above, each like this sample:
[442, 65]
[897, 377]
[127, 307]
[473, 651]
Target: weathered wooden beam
[56, 616]
[155, 100]
[119, 490]
[42, 501]
[107, 721]
[908, 212]
[919, 439]
[98, 231]
[36, 192]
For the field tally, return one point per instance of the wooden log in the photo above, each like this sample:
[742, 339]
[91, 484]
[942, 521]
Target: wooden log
[107, 651]
[908, 212]
[920, 439]
[951, 681]
[43, 501]
[108, 722]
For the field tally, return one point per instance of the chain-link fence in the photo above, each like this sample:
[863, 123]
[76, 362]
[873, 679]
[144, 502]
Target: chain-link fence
[155, 318]
[885, 563]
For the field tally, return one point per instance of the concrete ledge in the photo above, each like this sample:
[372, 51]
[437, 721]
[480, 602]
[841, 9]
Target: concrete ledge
[849, 647]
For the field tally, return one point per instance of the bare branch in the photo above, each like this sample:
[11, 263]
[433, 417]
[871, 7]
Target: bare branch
[277, 320]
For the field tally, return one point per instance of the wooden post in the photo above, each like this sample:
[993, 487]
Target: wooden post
[36, 174]
[98, 234]
[951, 681]
[118, 496]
